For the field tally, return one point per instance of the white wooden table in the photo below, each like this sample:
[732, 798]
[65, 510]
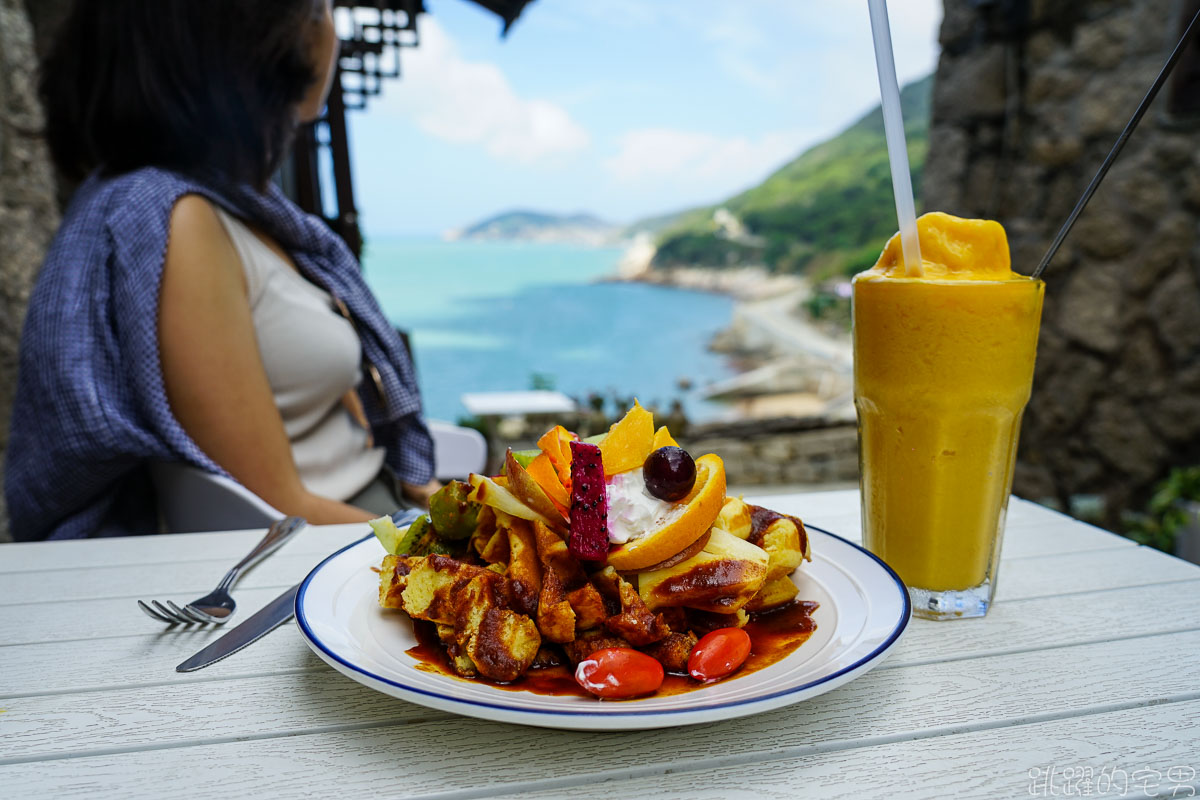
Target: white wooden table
[1083, 680]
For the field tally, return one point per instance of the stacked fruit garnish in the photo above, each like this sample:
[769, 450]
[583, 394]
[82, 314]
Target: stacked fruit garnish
[604, 553]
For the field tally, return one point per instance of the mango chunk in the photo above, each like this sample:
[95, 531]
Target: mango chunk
[952, 248]
[663, 438]
[556, 444]
[629, 441]
[542, 470]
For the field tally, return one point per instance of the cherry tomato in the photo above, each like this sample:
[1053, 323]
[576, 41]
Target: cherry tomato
[619, 672]
[718, 654]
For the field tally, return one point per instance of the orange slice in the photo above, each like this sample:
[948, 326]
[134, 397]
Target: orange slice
[700, 510]
[542, 470]
[556, 444]
[663, 438]
[629, 441]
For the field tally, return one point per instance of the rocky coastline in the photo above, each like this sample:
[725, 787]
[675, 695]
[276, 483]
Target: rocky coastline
[743, 283]
[789, 367]
[791, 416]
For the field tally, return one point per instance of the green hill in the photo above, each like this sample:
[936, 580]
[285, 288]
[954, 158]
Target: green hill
[536, 225]
[828, 212]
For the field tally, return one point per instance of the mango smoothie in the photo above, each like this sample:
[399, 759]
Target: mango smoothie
[943, 366]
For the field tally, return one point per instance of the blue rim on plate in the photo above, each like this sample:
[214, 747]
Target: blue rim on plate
[315, 642]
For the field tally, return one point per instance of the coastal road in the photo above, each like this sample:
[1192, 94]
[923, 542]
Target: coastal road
[775, 321]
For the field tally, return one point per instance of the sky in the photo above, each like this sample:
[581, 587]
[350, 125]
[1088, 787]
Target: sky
[621, 108]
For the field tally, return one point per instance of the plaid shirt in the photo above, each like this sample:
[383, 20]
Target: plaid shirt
[91, 411]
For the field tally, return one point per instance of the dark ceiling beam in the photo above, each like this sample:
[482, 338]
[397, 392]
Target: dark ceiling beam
[507, 10]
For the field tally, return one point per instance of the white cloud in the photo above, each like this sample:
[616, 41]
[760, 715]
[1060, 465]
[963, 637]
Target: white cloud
[472, 102]
[914, 26]
[740, 46]
[722, 162]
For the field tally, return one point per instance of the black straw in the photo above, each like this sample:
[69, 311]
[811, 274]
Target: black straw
[1137, 117]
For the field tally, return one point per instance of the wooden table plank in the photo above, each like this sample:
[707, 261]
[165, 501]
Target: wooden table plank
[1047, 622]
[1090, 571]
[1015, 626]
[1140, 752]
[453, 758]
[193, 713]
[180, 581]
[166, 548]
[1026, 512]
[1089, 646]
[143, 661]
[961, 695]
[102, 618]
[184, 580]
[1034, 540]
[1022, 578]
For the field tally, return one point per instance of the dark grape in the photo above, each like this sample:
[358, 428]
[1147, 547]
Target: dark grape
[670, 473]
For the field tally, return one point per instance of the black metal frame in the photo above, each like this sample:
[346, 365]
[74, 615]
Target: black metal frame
[370, 54]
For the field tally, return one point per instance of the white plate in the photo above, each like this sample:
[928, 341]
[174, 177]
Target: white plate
[864, 608]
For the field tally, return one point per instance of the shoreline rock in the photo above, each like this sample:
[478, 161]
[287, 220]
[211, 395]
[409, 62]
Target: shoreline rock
[786, 364]
[748, 283]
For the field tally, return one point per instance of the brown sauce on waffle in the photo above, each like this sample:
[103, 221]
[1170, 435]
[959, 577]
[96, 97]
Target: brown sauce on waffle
[774, 635]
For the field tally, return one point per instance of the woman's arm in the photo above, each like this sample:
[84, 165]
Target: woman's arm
[213, 372]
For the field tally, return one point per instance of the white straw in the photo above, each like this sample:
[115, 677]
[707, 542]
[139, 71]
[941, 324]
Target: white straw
[893, 126]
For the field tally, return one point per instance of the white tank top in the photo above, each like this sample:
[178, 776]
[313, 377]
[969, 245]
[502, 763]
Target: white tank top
[312, 357]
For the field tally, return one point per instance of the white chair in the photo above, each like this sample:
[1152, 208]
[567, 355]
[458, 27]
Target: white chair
[457, 451]
[190, 499]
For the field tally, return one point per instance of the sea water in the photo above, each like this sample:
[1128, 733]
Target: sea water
[510, 316]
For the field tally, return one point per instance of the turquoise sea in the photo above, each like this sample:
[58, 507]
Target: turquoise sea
[496, 316]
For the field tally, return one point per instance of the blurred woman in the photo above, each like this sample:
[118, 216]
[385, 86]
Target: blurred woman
[187, 311]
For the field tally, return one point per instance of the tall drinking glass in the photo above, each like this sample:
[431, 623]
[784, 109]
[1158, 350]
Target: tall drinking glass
[943, 368]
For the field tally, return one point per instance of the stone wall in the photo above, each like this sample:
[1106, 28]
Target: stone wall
[28, 211]
[1029, 97]
[783, 451]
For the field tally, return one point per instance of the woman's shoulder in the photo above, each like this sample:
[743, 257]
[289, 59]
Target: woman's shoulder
[199, 244]
[115, 212]
[194, 216]
[147, 196]
[116, 230]
[136, 213]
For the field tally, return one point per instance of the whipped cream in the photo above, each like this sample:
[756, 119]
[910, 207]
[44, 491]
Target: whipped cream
[632, 510]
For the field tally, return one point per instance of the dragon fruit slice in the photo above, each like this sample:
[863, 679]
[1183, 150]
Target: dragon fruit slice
[589, 504]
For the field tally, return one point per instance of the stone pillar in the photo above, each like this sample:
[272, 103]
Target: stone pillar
[28, 210]
[1029, 97]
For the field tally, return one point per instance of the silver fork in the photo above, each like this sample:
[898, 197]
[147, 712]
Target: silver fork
[218, 606]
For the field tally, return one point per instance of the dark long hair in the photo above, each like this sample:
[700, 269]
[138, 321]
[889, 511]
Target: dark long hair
[204, 87]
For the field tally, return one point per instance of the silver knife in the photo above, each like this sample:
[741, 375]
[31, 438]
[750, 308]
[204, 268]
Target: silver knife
[265, 620]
